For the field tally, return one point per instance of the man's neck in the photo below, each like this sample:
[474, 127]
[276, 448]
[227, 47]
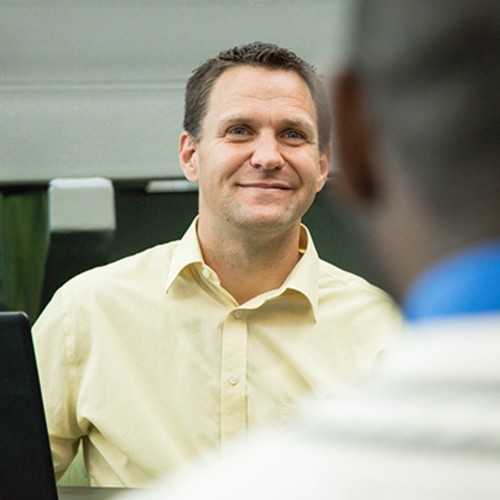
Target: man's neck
[249, 266]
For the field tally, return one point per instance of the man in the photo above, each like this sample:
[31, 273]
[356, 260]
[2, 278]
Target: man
[160, 356]
[417, 116]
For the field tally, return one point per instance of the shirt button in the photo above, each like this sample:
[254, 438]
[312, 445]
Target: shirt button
[233, 379]
[237, 314]
[205, 272]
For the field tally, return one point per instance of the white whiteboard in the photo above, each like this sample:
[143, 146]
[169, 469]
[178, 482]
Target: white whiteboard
[95, 87]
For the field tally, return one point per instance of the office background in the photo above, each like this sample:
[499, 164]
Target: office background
[94, 88]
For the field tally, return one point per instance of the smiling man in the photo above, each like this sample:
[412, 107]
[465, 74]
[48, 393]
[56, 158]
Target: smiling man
[176, 350]
[259, 166]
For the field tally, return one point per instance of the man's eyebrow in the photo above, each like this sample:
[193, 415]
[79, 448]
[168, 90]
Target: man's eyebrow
[299, 122]
[239, 118]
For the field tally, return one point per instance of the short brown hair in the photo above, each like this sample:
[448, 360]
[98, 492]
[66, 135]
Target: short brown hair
[266, 55]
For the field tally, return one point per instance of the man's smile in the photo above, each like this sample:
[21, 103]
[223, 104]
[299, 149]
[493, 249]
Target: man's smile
[266, 186]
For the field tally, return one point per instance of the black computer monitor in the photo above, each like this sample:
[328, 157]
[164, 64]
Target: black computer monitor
[26, 470]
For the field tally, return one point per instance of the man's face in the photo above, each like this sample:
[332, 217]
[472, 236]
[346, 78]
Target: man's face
[257, 161]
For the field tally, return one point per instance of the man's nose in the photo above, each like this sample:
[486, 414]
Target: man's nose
[267, 154]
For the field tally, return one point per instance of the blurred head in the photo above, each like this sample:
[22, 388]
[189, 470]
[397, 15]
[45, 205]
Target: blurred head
[257, 54]
[418, 118]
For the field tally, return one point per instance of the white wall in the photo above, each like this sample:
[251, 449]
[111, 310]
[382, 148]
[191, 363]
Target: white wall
[95, 87]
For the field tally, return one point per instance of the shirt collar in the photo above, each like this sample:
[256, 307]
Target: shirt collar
[303, 278]
[465, 283]
[187, 252]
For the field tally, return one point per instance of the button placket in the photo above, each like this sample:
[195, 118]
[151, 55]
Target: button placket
[233, 376]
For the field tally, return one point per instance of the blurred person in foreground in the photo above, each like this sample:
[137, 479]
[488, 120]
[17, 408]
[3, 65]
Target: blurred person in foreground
[417, 121]
[153, 359]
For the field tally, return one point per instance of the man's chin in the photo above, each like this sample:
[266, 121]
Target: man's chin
[266, 222]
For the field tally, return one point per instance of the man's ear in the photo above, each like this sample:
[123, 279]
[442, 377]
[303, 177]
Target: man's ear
[325, 161]
[354, 140]
[188, 156]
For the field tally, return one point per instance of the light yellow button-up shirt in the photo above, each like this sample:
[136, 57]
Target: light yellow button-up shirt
[151, 362]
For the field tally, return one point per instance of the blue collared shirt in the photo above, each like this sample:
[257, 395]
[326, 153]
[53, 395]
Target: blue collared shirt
[466, 283]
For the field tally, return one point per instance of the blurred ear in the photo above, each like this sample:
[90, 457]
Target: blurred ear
[188, 156]
[354, 140]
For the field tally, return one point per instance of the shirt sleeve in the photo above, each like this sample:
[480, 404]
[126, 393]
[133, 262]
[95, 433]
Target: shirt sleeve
[54, 347]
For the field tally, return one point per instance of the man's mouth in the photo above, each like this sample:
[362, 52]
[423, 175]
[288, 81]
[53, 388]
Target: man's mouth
[266, 185]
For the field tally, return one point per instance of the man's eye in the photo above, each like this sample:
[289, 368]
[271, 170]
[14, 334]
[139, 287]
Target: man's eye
[294, 135]
[237, 131]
